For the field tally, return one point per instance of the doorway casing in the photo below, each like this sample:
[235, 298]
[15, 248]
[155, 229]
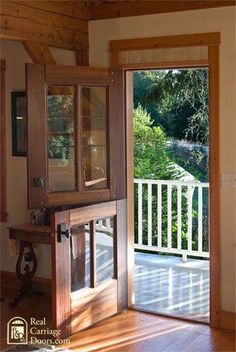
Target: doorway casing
[212, 41]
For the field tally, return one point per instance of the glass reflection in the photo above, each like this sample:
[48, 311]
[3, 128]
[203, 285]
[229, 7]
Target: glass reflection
[61, 137]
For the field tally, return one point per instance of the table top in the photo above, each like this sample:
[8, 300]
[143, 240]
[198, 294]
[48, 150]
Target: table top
[31, 228]
[30, 233]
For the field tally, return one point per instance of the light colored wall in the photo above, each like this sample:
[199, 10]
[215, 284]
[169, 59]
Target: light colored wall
[212, 20]
[16, 57]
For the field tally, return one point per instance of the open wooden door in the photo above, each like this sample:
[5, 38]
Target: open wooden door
[76, 136]
[84, 263]
[76, 157]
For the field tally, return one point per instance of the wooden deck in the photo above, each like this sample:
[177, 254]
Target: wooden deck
[167, 285]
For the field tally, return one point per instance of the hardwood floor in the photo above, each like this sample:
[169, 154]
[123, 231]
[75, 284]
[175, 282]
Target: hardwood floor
[35, 306]
[130, 331]
[134, 331]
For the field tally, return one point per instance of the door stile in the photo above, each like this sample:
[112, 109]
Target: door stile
[61, 278]
[118, 139]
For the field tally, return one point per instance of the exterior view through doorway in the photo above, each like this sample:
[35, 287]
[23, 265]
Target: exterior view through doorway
[171, 191]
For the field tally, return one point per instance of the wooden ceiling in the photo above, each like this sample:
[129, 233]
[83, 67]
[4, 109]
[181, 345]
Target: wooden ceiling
[64, 24]
[103, 9]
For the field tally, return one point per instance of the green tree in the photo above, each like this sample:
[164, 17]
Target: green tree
[151, 158]
[177, 101]
[60, 108]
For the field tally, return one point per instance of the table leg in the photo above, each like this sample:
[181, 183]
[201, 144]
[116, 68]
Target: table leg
[28, 255]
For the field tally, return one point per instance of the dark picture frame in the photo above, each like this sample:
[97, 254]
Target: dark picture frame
[19, 133]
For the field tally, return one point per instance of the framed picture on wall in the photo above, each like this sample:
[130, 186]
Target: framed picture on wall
[18, 108]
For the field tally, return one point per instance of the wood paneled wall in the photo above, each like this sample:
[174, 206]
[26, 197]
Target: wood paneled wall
[54, 23]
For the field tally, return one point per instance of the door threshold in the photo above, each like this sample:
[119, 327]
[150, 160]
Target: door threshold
[141, 308]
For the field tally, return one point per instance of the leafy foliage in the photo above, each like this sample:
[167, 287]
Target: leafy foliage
[177, 100]
[60, 108]
[151, 158]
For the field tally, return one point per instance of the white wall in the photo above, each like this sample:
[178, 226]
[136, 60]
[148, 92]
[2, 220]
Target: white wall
[199, 21]
[16, 57]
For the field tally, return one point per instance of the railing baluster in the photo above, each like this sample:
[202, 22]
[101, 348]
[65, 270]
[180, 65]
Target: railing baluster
[140, 213]
[169, 216]
[108, 223]
[189, 199]
[200, 218]
[188, 192]
[159, 215]
[149, 214]
[179, 216]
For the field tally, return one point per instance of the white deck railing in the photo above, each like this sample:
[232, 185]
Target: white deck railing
[159, 194]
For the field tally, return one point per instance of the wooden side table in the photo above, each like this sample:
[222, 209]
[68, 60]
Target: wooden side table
[27, 234]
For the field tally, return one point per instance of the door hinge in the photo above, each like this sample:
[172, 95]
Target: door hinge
[63, 232]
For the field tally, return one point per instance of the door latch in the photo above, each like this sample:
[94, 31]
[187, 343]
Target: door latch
[38, 182]
[63, 232]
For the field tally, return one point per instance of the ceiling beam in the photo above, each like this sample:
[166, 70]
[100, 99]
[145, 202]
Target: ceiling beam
[100, 9]
[39, 53]
[82, 57]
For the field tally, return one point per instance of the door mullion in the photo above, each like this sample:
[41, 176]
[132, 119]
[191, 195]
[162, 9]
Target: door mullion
[93, 254]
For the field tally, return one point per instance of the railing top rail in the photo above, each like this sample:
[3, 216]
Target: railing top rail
[172, 182]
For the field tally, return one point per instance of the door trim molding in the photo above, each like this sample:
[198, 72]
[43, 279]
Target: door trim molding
[212, 41]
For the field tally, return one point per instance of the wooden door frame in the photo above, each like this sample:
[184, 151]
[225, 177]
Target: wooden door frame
[212, 41]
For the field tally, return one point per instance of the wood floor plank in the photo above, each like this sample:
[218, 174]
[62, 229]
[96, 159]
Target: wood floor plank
[140, 332]
[130, 331]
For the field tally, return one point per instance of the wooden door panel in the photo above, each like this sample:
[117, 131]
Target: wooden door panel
[56, 199]
[87, 214]
[49, 133]
[98, 304]
[78, 306]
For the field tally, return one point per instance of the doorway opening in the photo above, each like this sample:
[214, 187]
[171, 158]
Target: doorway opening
[171, 191]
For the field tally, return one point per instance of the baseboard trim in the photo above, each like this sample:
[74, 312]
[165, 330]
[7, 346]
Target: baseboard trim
[9, 280]
[228, 320]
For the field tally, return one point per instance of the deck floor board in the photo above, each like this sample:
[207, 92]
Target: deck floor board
[167, 285]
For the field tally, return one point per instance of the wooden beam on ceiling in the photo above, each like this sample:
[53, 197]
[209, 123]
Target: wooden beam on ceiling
[39, 53]
[82, 57]
[32, 21]
[100, 9]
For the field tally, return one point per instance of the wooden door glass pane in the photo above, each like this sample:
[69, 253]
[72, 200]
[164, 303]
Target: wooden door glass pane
[61, 138]
[94, 137]
[104, 249]
[80, 257]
